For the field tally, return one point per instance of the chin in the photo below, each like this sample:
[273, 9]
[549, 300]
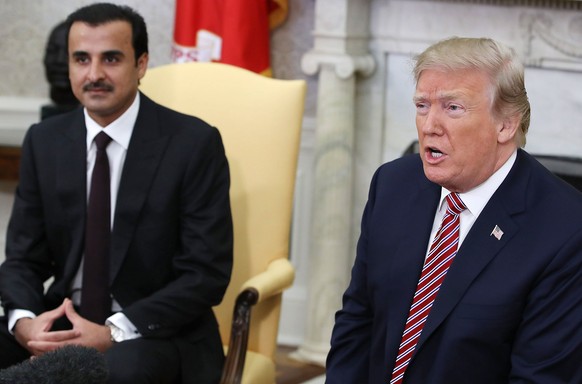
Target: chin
[436, 175]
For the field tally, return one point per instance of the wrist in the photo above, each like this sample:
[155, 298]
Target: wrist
[16, 314]
[20, 331]
[20, 323]
[115, 333]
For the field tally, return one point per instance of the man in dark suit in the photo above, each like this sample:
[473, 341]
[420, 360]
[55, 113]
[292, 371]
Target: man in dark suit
[504, 304]
[170, 253]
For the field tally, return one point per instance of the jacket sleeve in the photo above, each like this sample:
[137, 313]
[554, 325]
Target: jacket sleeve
[348, 359]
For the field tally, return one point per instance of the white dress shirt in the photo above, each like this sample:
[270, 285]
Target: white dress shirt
[475, 200]
[120, 132]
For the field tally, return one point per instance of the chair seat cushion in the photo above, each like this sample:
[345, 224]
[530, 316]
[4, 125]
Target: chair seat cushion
[259, 369]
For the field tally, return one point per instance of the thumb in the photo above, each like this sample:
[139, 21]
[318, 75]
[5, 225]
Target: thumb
[70, 312]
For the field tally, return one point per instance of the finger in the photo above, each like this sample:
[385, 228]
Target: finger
[58, 336]
[56, 313]
[70, 312]
[48, 318]
[60, 310]
[37, 348]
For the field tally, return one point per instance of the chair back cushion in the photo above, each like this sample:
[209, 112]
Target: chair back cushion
[259, 119]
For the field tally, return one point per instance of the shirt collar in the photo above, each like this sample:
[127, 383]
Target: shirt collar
[119, 130]
[476, 199]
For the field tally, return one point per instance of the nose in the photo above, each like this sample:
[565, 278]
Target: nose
[429, 123]
[95, 71]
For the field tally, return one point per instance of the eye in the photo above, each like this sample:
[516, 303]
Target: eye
[455, 109]
[79, 58]
[111, 59]
[421, 108]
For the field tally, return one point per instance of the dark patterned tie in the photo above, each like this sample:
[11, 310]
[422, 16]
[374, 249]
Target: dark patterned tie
[440, 256]
[95, 298]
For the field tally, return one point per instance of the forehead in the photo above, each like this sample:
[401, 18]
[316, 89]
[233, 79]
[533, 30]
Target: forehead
[444, 84]
[113, 35]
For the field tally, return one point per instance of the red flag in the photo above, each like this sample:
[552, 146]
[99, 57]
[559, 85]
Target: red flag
[234, 32]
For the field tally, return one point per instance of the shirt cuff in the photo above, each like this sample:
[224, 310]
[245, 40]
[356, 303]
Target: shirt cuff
[16, 314]
[128, 330]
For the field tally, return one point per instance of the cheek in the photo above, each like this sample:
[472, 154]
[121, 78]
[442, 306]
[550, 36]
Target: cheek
[476, 133]
[470, 149]
[475, 151]
[74, 76]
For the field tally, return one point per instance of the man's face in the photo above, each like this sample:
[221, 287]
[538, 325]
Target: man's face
[461, 143]
[102, 68]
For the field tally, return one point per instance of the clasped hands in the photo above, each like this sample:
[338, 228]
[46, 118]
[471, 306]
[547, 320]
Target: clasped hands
[36, 336]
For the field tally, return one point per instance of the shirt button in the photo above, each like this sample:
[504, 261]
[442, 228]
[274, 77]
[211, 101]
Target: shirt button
[153, 327]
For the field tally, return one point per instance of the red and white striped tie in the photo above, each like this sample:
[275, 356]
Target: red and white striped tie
[440, 256]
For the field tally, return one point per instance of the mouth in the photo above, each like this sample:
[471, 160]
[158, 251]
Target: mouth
[434, 155]
[435, 152]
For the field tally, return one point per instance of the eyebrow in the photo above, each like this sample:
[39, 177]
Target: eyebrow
[442, 96]
[113, 52]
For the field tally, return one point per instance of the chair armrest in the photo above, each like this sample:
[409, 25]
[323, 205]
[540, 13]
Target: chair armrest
[278, 276]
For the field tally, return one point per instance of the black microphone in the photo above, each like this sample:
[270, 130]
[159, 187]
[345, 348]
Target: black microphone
[71, 364]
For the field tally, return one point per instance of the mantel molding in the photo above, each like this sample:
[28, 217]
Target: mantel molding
[17, 114]
[345, 65]
[553, 4]
[552, 43]
[541, 25]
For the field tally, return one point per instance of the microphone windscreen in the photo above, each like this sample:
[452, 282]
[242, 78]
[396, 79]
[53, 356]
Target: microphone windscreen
[70, 364]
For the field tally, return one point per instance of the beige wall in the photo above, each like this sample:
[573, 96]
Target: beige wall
[26, 24]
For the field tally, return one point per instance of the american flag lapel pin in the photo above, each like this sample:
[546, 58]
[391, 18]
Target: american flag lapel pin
[497, 232]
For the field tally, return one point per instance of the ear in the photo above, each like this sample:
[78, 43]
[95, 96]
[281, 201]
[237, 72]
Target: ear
[142, 64]
[508, 129]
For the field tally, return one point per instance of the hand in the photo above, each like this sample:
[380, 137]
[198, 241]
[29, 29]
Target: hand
[29, 330]
[86, 333]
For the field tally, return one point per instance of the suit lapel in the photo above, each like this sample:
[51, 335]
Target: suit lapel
[480, 246]
[71, 170]
[144, 153]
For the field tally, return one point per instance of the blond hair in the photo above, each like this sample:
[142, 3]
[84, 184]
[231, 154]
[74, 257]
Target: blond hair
[501, 64]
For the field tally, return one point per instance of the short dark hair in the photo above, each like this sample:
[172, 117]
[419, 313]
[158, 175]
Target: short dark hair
[102, 13]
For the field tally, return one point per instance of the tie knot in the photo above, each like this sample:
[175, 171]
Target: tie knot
[102, 140]
[455, 203]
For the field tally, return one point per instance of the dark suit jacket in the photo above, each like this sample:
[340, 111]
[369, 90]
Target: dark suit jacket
[171, 245]
[509, 310]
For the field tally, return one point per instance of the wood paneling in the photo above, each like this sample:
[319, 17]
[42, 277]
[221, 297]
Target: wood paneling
[9, 162]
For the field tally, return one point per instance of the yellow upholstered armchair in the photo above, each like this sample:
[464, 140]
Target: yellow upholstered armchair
[259, 119]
